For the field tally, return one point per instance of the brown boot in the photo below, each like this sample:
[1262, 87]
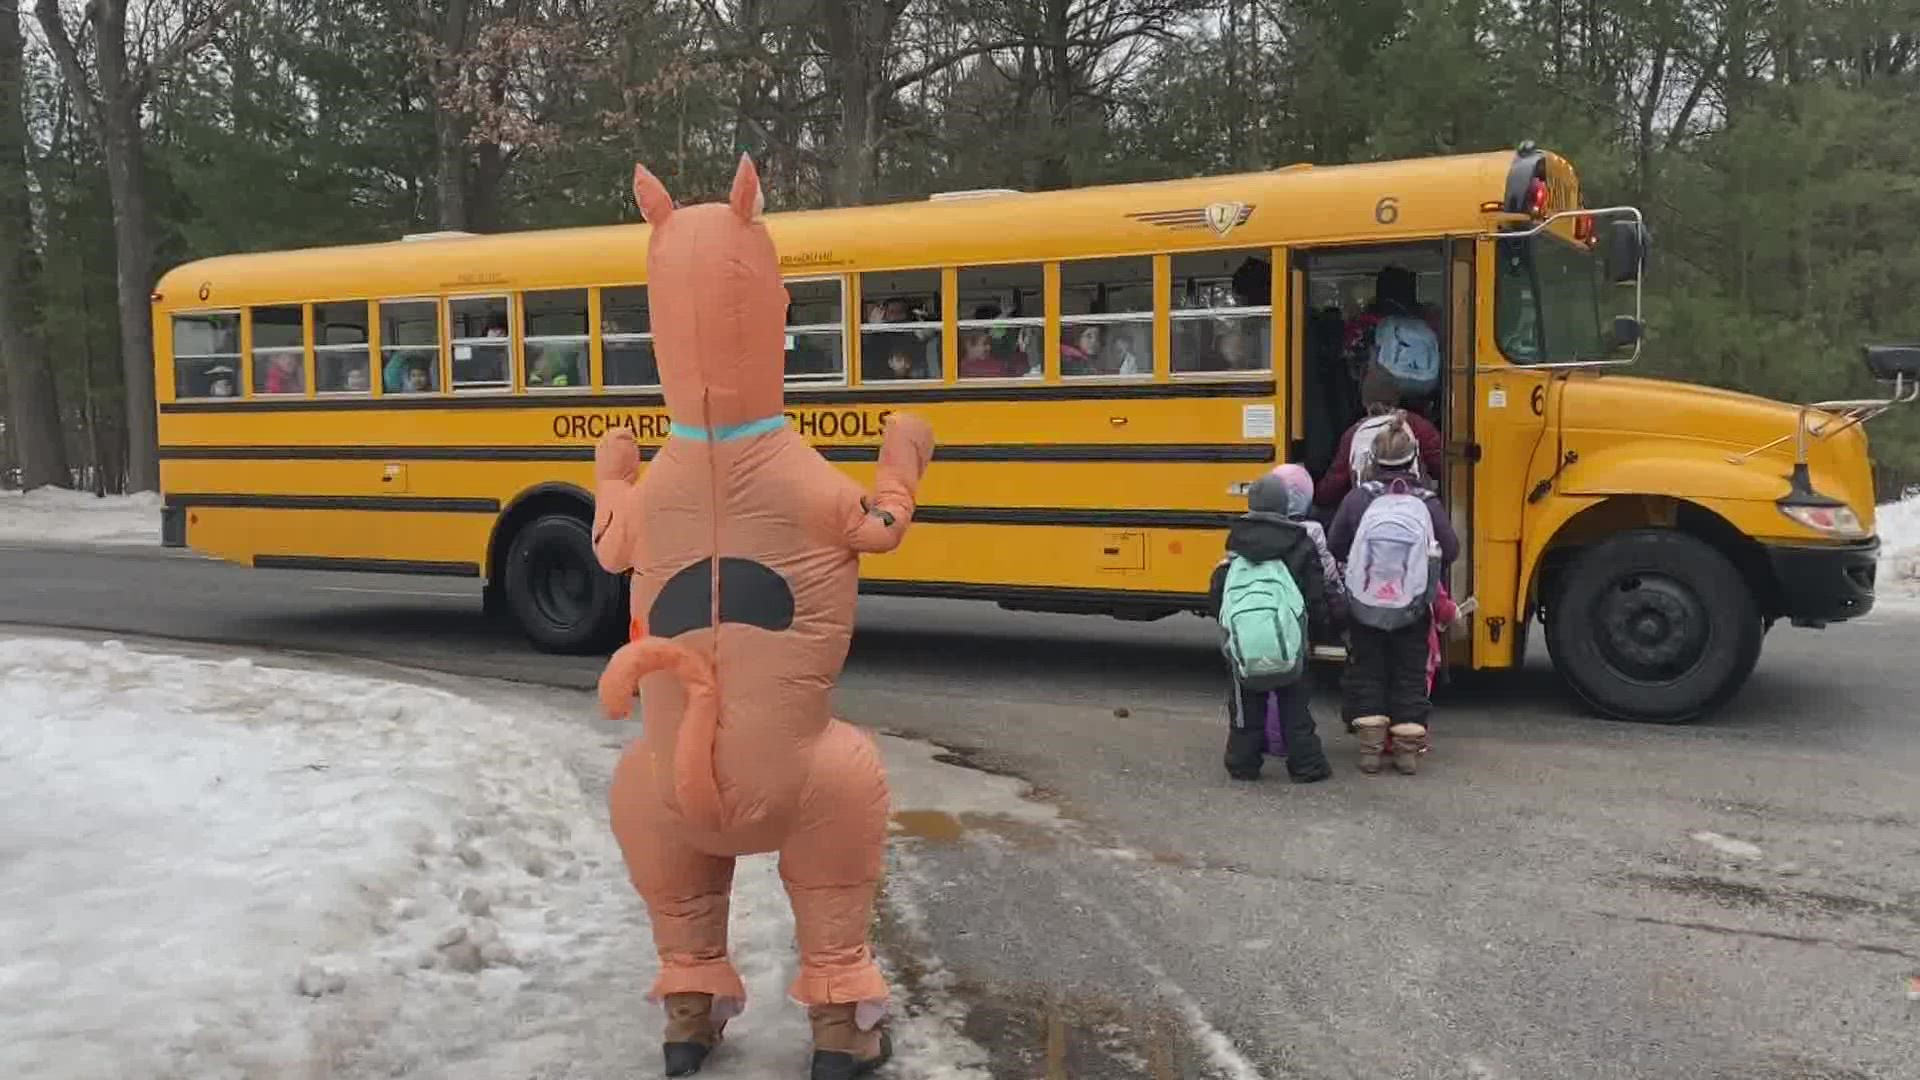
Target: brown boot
[1408, 741]
[691, 1033]
[1373, 738]
[841, 1050]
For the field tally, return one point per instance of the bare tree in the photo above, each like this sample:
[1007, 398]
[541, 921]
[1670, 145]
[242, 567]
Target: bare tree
[111, 95]
[33, 409]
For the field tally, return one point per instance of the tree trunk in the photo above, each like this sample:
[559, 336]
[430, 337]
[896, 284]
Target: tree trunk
[1055, 170]
[124, 147]
[450, 125]
[859, 33]
[33, 408]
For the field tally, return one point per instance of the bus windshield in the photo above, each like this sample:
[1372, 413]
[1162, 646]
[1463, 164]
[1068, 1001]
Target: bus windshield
[1551, 301]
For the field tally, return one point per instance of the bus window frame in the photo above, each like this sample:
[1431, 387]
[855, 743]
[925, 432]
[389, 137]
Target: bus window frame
[1036, 365]
[441, 364]
[1151, 319]
[367, 345]
[1277, 322]
[585, 341]
[843, 376]
[254, 351]
[241, 374]
[598, 315]
[862, 326]
[514, 381]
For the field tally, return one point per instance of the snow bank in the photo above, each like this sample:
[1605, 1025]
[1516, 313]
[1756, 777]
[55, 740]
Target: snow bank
[58, 516]
[215, 870]
[1898, 524]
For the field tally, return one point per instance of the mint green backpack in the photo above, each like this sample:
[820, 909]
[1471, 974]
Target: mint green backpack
[1265, 622]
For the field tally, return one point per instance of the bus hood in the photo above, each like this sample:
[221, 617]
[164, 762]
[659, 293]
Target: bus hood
[1650, 436]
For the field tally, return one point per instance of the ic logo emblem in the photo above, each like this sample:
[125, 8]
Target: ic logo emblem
[1223, 216]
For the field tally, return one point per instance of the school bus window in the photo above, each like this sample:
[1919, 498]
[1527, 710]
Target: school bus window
[626, 337]
[341, 363]
[816, 344]
[482, 343]
[556, 339]
[1222, 312]
[900, 328]
[1002, 319]
[409, 347]
[279, 351]
[1548, 301]
[206, 355]
[1106, 317]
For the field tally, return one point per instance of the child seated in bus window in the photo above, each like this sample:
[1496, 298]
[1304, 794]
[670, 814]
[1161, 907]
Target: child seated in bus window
[978, 360]
[556, 365]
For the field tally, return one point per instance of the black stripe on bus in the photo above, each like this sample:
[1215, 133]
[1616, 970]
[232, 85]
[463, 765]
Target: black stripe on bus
[880, 394]
[399, 503]
[1073, 516]
[1045, 597]
[1061, 452]
[943, 515]
[367, 566]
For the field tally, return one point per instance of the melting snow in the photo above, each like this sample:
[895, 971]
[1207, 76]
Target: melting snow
[58, 516]
[215, 870]
[1898, 524]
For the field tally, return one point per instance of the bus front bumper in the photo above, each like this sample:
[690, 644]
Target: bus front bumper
[1820, 584]
[173, 526]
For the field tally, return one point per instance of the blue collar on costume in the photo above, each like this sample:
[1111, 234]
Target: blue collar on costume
[728, 434]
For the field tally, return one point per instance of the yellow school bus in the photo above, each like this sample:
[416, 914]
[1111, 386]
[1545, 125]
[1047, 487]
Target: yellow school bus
[1106, 370]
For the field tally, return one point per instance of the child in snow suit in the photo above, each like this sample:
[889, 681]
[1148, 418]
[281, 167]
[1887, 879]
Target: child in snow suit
[1385, 685]
[1265, 534]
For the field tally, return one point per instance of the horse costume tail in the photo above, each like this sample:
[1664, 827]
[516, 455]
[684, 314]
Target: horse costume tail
[694, 785]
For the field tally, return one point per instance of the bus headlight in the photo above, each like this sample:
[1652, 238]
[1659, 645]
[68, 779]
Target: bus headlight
[1832, 520]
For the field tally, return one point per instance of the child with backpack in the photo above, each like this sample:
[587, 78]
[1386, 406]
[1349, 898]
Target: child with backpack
[1396, 541]
[1269, 594]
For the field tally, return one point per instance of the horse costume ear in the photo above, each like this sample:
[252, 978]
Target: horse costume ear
[748, 199]
[651, 196]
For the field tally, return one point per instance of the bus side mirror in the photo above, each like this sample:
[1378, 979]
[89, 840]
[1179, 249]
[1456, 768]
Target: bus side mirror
[1890, 362]
[1626, 251]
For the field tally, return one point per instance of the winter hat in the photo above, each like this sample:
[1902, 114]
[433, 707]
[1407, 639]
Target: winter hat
[1269, 495]
[1394, 447]
[1299, 488]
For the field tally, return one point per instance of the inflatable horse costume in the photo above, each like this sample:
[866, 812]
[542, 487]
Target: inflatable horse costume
[744, 545]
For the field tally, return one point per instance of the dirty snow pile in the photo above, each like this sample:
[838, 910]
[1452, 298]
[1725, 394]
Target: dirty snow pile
[1898, 525]
[58, 516]
[218, 870]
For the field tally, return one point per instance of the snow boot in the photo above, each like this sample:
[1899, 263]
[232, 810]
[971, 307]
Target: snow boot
[1409, 742]
[841, 1050]
[691, 1033]
[1373, 739]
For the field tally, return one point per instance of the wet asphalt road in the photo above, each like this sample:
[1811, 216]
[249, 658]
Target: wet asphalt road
[1554, 895]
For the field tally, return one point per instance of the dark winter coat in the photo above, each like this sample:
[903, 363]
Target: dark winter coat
[1354, 506]
[1264, 537]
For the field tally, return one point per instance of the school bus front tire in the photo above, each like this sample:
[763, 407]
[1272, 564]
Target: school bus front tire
[1654, 625]
[556, 590]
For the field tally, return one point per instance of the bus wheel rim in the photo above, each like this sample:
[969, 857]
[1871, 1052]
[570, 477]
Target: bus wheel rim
[1652, 628]
[560, 585]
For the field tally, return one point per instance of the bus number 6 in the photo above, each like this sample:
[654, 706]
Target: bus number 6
[1387, 210]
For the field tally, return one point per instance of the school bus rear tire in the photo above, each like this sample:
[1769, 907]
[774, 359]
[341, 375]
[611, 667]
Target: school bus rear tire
[1654, 625]
[562, 599]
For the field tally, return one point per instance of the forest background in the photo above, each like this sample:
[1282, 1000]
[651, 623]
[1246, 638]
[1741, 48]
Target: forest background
[1773, 144]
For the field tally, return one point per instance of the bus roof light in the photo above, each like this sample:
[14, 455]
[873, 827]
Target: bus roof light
[973, 193]
[1537, 196]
